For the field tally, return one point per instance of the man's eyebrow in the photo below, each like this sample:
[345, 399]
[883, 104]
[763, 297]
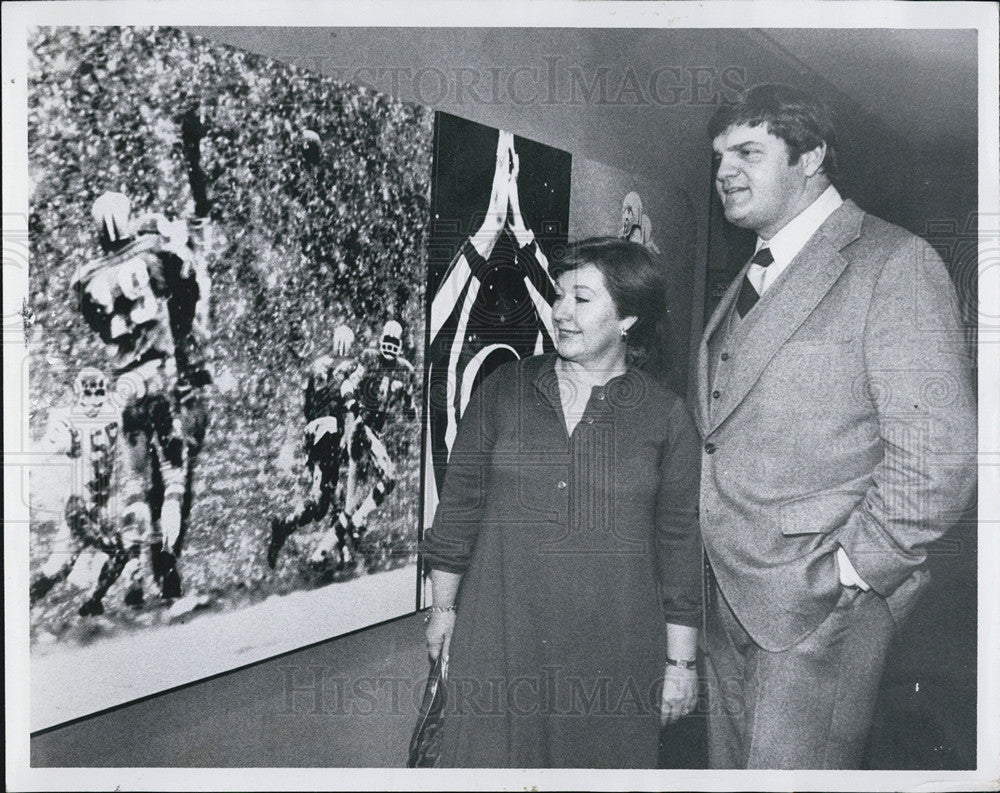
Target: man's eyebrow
[741, 147]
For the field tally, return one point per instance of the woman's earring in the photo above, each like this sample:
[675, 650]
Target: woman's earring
[624, 332]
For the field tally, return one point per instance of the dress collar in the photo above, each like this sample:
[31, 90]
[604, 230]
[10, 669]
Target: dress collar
[620, 390]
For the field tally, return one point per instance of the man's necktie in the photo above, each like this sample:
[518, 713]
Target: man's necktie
[748, 294]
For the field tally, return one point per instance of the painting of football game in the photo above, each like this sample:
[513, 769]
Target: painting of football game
[226, 329]
[501, 207]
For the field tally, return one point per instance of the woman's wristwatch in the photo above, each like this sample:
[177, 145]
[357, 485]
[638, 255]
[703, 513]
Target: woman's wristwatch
[683, 664]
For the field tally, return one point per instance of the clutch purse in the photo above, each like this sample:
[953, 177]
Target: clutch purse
[425, 745]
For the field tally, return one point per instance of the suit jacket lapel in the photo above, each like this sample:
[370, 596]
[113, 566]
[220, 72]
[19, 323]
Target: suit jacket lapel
[786, 305]
[704, 371]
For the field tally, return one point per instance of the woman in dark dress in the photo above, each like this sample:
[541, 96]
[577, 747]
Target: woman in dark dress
[564, 555]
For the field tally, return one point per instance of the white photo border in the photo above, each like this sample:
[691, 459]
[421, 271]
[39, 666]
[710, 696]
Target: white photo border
[18, 17]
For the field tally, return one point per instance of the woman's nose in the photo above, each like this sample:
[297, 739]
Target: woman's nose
[560, 311]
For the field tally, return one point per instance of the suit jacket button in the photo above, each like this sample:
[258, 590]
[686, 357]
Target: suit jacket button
[709, 448]
[716, 394]
[561, 484]
[725, 356]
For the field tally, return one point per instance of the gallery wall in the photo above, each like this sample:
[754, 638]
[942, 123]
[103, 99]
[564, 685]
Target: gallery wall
[630, 106]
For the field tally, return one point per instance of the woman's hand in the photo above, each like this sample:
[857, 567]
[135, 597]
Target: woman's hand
[440, 626]
[680, 693]
[441, 617]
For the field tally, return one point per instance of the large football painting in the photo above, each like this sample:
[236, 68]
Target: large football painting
[226, 349]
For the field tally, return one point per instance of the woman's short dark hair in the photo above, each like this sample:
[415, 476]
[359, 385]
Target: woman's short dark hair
[801, 120]
[636, 283]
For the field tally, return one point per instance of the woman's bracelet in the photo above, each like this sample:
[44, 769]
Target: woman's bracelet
[438, 610]
[682, 663]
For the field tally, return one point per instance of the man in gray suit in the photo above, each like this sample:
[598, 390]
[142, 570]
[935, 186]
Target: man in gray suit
[839, 428]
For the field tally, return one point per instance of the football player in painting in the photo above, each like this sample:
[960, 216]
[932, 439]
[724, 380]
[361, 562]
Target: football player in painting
[147, 297]
[87, 432]
[346, 407]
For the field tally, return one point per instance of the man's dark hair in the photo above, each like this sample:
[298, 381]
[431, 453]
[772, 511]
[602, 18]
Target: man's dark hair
[800, 119]
[635, 282]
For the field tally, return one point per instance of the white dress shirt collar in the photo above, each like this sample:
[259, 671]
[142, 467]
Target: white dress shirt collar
[792, 238]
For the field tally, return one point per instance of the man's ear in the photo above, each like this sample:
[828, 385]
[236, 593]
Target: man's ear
[628, 322]
[812, 160]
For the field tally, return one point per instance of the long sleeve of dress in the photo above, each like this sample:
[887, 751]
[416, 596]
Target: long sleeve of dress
[448, 545]
[678, 541]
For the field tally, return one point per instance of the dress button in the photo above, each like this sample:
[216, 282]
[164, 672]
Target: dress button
[710, 448]
[561, 484]
[725, 356]
[716, 394]
[601, 396]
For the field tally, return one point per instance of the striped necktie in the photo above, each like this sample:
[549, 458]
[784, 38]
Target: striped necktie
[748, 294]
